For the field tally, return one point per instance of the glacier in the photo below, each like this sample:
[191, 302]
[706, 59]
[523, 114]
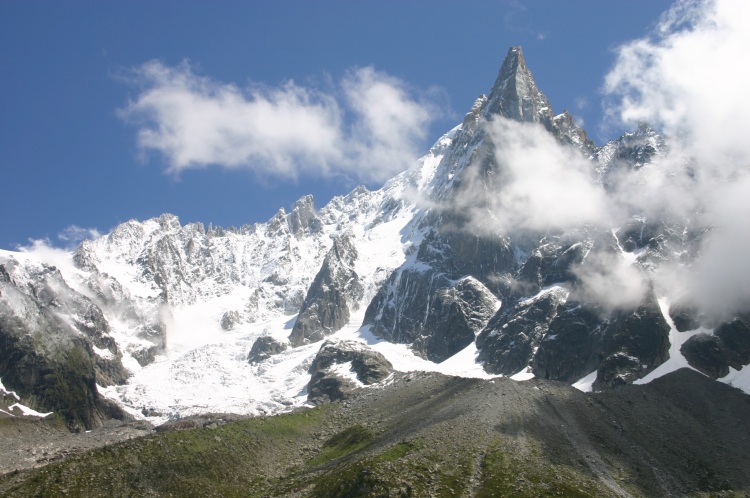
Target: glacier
[169, 311]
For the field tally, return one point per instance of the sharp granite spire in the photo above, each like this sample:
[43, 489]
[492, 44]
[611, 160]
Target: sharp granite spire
[515, 94]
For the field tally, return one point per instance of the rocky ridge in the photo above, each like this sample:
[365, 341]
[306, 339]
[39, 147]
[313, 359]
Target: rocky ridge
[427, 434]
[409, 258]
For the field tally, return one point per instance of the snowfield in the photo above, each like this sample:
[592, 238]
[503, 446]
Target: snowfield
[225, 288]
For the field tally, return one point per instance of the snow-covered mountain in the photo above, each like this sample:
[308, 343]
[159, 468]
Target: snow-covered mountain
[453, 266]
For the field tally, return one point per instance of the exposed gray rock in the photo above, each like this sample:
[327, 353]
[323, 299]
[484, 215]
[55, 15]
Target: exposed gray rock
[230, 319]
[735, 336]
[713, 354]
[265, 347]
[456, 316]
[637, 342]
[685, 316]
[326, 384]
[706, 353]
[554, 259]
[508, 342]
[399, 310]
[327, 305]
[631, 151]
[572, 347]
[638, 233]
[48, 336]
[516, 96]
[303, 217]
[143, 317]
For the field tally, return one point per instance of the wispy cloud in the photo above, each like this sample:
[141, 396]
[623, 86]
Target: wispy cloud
[74, 235]
[370, 126]
[542, 185]
[689, 78]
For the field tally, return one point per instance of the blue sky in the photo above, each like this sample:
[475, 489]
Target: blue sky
[79, 82]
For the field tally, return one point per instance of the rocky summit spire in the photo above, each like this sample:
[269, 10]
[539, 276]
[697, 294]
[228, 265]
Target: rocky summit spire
[515, 94]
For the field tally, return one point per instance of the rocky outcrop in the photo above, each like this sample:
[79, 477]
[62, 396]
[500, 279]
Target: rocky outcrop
[335, 289]
[516, 96]
[398, 311]
[685, 316]
[553, 261]
[144, 318]
[631, 151]
[438, 283]
[230, 319]
[342, 367]
[456, 316]
[636, 343]
[55, 346]
[706, 353]
[510, 339]
[572, 346]
[713, 354]
[265, 347]
[303, 218]
[735, 336]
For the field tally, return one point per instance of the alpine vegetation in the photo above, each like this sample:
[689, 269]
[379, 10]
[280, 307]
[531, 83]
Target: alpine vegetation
[516, 247]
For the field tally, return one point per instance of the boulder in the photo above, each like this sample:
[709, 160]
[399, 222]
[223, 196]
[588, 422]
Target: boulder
[706, 353]
[341, 367]
[229, 319]
[265, 347]
[735, 336]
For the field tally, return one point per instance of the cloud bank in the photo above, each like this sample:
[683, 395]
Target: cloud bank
[689, 79]
[369, 126]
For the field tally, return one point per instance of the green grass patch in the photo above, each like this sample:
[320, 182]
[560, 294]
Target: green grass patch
[504, 474]
[397, 452]
[347, 441]
[231, 460]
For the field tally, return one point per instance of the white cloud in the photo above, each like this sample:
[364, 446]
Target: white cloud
[690, 78]
[74, 235]
[610, 281]
[542, 185]
[389, 125]
[369, 128]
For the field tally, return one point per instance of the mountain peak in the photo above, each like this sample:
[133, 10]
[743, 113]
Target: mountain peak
[513, 60]
[515, 94]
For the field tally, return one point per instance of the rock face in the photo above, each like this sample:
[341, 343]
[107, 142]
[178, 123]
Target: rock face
[265, 347]
[735, 336]
[572, 347]
[706, 353]
[508, 342]
[713, 354]
[342, 367]
[335, 288]
[55, 346]
[429, 257]
[303, 218]
[456, 315]
[637, 342]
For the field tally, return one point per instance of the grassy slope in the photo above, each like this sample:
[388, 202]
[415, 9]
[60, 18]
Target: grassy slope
[432, 436]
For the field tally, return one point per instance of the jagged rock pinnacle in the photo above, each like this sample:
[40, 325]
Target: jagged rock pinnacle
[515, 94]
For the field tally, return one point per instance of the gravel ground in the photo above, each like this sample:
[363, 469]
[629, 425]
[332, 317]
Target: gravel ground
[425, 434]
[33, 443]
